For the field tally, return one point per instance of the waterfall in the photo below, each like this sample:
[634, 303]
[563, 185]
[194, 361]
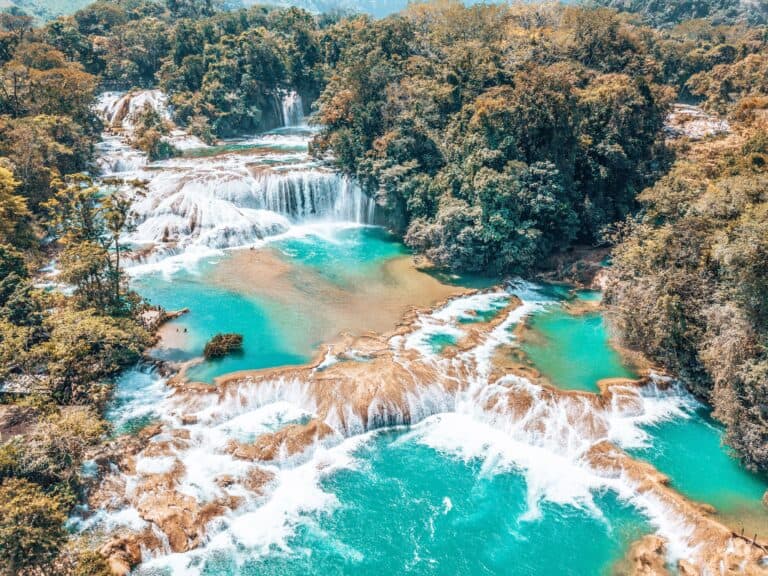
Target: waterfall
[119, 110]
[220, 206]
[292, 109]
[314, 194]
[245, 191]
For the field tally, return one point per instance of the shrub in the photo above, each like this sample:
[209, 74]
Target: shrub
[31, 526]
[223, 344]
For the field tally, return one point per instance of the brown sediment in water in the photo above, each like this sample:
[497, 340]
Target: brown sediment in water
[582, 307]
[646, 557]
[323, 309]
[748, 520]
[171, 337]
[286, 442]
[378, 381]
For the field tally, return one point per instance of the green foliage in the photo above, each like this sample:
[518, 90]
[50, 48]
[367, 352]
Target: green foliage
[225, 70]
[39, 80]
[191, 8]
[222, 344]
[235, 84]
[671, 12]
[90, 563]
[495, 135]
[40, 149]
[88, 226]
[52, 451]
[31, 526]
[689, 283]
[14, 214]
[726, 84]
[86, 347]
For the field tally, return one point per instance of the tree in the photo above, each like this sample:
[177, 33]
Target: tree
[88, 226]
[41, 149]
[688, 282]
[14, 214]
[57, 87]
[14, 26]
[85, 347]
[495, 136]
[223, 344]
[100, 18]
[117, 211]
[191, 8]
[54, 449]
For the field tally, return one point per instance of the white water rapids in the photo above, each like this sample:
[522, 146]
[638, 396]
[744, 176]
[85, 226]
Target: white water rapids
[233, 195]
[551, 456]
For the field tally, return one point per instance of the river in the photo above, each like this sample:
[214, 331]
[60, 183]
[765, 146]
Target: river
[256, 237]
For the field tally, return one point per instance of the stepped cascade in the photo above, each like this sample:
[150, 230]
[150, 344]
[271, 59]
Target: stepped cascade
[238, 468]
[231, 195]
[252, 473]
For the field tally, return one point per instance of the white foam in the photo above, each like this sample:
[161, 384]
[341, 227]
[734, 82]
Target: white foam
[548, 443]
[157, 465]
[195, 206]
[553, 473]
[139, 393]
[127, 517]
[267, 525]
[292, 109]
[121, 109]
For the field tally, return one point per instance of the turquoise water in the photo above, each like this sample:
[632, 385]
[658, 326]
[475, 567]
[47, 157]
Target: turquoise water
[690, 451]
[406, 508]
[573, 351]
[274, 334]
[439, 342]
[486, 315]
[137, 393]
[212, 310]
[428, 513]
[298, 145]
[347, 256]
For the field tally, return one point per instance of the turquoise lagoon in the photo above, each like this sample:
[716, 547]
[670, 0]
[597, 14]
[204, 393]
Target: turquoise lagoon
[573, 350]
[405, 507]
[274, 333]
[419, 501]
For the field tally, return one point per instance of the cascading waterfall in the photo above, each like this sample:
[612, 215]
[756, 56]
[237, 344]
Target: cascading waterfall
[292, 109]
[242, 193]
[119, 110]
[224, 208]
[508, 424]
[237, 471]
[314, 194]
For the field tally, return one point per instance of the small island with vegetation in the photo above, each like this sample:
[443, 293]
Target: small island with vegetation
[222, 344]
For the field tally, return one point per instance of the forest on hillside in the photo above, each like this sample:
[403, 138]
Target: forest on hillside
[493, 137]
[668, 14]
